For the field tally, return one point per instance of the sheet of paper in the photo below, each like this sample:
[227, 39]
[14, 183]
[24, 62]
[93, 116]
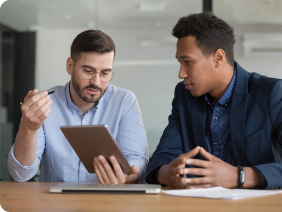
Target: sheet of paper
[220, 193]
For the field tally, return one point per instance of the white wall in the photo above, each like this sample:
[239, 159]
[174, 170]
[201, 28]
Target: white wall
[150, 72]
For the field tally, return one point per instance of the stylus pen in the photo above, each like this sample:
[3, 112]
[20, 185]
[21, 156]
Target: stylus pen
[48, 94]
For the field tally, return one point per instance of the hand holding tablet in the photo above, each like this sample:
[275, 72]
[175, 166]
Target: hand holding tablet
[111, 173]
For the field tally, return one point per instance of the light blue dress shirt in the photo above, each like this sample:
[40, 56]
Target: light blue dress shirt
[118, 108]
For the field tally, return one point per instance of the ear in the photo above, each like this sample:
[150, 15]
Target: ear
[69, 66]
[219, 58]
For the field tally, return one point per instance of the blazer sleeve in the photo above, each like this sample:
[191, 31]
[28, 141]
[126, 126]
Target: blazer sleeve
[170, 146]
[272, 172]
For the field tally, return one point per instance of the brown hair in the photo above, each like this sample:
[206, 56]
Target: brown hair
[91, 41]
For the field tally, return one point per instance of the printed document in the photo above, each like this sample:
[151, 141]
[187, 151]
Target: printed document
[220, 193]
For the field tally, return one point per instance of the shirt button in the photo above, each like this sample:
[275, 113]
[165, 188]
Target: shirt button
[84, 122]
[73, 111]
[82, 168]
[215, 117]
[215, 144]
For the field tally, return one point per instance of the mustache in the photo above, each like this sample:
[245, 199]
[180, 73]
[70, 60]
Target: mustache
[93, 87]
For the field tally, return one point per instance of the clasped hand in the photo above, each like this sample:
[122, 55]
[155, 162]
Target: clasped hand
[212, 172]
[108, 174]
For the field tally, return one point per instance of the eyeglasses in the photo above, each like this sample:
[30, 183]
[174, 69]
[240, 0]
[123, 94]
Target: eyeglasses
[106, 75]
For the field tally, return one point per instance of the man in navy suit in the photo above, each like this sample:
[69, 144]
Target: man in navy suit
[225, 128]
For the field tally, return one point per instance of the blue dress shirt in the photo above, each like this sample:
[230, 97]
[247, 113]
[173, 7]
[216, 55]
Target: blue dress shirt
[218, 125]
[118, 108]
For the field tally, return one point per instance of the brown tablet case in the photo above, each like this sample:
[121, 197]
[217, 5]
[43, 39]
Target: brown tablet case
[93, 140]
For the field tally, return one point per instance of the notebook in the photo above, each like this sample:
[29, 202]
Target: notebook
[105, 189]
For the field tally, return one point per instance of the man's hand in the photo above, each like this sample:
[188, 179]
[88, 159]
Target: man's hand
[169, 174]
[108, 175]
[213, 172]
[35, 109]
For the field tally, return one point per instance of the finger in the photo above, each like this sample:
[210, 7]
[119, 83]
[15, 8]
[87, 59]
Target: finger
[198, 180]
[197, 171]
[30, 94]
[42, 110]
[97, 172]
[206, 154]
[102, 171]
[182, 158]
[135, 169]
[178, 182]
[198, 162]
[201, 186]
[34, 98]
[178, 171]
[118, 172]
[193, 152]
[44, 115]
[108, 169]
[38, 104]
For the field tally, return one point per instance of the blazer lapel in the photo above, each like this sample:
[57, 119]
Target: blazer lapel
[238, 114]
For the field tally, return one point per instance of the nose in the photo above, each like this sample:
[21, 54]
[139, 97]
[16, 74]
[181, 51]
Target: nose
[182, 72]
[96, 79]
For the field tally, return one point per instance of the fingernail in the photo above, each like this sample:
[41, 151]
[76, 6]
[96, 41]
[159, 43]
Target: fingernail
[188, 161]
[187, 180]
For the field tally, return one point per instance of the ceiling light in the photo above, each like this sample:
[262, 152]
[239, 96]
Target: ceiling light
[152, 7]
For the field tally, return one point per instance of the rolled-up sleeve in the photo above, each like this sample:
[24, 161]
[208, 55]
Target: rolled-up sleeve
[22, 173]
[19, 172]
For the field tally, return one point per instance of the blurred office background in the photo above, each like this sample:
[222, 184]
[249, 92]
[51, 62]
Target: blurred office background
[35, 39]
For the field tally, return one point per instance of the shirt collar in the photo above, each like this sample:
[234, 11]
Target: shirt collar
[226, 97]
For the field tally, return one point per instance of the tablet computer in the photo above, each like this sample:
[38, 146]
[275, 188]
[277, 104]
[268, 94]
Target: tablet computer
[93, 140]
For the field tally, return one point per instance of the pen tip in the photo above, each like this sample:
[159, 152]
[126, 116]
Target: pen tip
[55, 91]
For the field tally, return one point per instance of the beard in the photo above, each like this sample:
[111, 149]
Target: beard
[89, 99]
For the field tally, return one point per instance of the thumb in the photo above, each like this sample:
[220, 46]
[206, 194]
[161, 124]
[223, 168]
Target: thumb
[135, 169]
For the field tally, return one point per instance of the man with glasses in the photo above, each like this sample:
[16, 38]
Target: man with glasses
[88, 99]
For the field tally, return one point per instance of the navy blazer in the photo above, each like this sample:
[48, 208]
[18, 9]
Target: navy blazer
[255, 119]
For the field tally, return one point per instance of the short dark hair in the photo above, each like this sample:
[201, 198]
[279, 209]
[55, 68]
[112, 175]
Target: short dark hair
[91, 41]
[211, 33]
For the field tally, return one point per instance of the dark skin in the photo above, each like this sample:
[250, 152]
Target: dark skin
[203, 75]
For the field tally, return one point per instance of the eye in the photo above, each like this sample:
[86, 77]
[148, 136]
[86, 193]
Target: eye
[87, 70]
[106, 72]
[187, 61]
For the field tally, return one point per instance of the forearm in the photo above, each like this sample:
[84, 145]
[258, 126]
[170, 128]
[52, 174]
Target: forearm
[25, 146]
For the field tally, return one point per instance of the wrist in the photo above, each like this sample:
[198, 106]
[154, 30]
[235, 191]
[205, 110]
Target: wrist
[25, 131]
[160, 175]
[241, 176]
[252, 178]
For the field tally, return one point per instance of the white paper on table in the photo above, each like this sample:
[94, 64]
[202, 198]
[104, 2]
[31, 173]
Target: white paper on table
[220, 193]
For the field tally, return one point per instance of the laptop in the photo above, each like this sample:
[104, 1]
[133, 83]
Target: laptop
[105, 189]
